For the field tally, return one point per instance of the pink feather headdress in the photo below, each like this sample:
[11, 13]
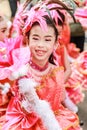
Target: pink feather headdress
[34, 15]
[26, 17]
[37, 13]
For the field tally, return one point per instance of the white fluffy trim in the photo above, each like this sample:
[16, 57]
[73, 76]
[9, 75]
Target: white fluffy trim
[69, 104]
[43, 109]
[26, 84]
[27, 88]
[19, 73]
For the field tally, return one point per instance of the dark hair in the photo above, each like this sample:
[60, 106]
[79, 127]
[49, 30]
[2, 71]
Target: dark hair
[62, 20]
[50, 23]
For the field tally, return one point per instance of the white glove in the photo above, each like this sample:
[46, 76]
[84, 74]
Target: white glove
[19, 73]
[26, 87]
[41, 107]
[69, 104]
[47, 115]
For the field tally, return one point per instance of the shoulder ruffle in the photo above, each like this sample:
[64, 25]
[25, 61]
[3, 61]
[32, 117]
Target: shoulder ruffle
[12, 56]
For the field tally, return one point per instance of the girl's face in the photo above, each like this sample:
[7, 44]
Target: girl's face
[41, 44]
[4, 31]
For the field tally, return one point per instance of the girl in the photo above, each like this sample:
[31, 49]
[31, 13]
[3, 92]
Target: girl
[37, 95]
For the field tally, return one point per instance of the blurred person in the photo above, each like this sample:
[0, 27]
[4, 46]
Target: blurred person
[4, 28]
[13, 7]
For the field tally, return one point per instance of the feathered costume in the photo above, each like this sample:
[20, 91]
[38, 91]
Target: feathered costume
[77, 82]
[37, 98]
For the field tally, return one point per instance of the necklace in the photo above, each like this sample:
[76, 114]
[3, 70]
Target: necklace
[36, 67]
[37, 73]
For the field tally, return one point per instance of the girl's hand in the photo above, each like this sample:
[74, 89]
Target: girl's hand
[41, 107]
[27, 88]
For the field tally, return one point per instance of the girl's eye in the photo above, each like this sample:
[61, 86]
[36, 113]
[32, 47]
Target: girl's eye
[35, 38]
[48, 40]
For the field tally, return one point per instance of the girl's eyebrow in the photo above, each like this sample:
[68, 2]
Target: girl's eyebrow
[48, 36]
[38, 35]
[35, 35]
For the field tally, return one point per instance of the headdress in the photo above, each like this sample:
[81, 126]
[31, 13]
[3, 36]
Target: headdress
[34, 11]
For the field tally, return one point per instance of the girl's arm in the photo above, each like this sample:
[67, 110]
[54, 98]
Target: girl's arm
[41, 107]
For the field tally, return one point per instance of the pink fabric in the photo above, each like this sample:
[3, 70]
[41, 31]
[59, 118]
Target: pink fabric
[81, 12]
[12, 56]
[7, 47]
[17, 61]
[76, 84]
[81, 16]
[16, 116]
[51, 89]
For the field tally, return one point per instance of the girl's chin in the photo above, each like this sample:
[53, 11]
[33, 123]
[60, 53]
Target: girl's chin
[40, 58]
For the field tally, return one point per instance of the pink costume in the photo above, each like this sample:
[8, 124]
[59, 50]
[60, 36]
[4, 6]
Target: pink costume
[77, 82]
[50, 89]
[43, 108]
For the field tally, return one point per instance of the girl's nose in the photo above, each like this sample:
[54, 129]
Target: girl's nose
[40, 44]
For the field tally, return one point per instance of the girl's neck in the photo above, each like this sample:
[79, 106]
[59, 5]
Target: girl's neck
[38, 67]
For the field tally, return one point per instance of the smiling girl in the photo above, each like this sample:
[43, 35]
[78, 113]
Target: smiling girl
[37, 98]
